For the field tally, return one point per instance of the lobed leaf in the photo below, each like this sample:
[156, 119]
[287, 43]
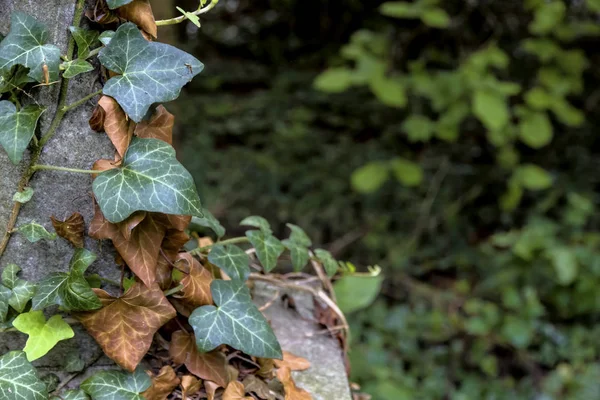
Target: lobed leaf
[329, 263]
[231, 259]
[162, 384]
[19, 379]
[35, 232]
[208, 221]
[85, 39]
[116, 385]
[268, 248]
[75, 67]
[17, 128]
[257, 222]
[22, 292]
[196, 284]
[43, 335]
[9, 275]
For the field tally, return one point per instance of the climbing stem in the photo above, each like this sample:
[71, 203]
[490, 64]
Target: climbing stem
[199, 11]
[39, 167]
[81, 101]
[174, 290]
[199, 250]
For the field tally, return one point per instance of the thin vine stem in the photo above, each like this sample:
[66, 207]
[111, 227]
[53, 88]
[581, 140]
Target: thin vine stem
[180, 19]
[174, 290]
[39, 167]
[81, 101]
[199, 250]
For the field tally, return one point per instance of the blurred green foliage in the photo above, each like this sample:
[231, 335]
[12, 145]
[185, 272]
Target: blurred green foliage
[454, 144]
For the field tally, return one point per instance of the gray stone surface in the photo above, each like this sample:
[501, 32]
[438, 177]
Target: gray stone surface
[326, 379]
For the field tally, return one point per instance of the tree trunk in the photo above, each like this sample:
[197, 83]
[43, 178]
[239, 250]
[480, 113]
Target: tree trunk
[60, 194]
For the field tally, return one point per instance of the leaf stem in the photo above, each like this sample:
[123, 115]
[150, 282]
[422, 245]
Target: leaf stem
[94, 52]
[39, 167]
[177, 20]
[81, 101]
[199, 250]
[174, 290]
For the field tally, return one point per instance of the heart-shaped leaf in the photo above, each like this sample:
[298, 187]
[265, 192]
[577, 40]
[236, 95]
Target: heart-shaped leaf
[35, 232]
[112, 4]
[26, 45]
[208, 221]
[21, 294]
[149, 179]
[231, 259]
[234, 321]
[116, 385]
[17, 128]
[9, 275]
[298, 253]
[257, 222]
[149, 72]
[85, 40]
[329, 263]
[43, 336]
[268, 248]
[19, 379]
[75, 67]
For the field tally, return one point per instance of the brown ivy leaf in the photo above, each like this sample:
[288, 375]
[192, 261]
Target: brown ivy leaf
[160, 126]
[293, 362]
[292, 392]
[101, 14]
[254, 385]
[235, 391]
[267, 368]
[190, 385]
[171, 221]
[125, 326]
[104, 165]
[211, 366]
[71, 229]
[211, 389]
[116, 124]
[172, 243]
[127, 226]
[140, 13]
[162, 385]
[97, 119]
[196, 285]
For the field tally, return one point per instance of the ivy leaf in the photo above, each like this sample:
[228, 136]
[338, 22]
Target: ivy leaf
[329, 263]
[26, 45]
[116, 124]
[235, 391]
[357, 292]
[196, 284]
[194, 19]
[298, 253]
[231, 259]
[491, 109]
[159, 126]
[208, 221]
[292, 392]
[47, 292]
[5, 294]
[85, 39]
[234, 321]
[125, 326]
[116, 385]
[106, 37]
[35, 232]
[258, 222]
[112, 4]
[210, 366]
[140, 13]
[21, 294]
[43, 336]
[163, 384]
[17, 128]
[9, 275]
[535, 129]
[15, 77]
[298, 235]
[268, 248]
[75, 67]
[71, 229]
[19, 379]
[76, 394]
[24, 196]
[74, 363]
[150, 179]
[149, 72]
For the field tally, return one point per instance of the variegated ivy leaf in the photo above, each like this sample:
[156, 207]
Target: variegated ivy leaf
[5, 294]
[117, 385]
[9, 275]
[112, 4]
[24, 196]
[85, 39]
[70, 290]
[21, 294]
[106, 37]
[35, 232]
[234, 321]
[75, 67]
[257, 222]
[17, 128]
[268, 248]
[329, 263]
[149, 72]
[19, 379]
[208, 221]
[149, 179]
[26, 45]
[298, 253]
[13, 78]
[231, 259]
[77, 394]
[43, 335]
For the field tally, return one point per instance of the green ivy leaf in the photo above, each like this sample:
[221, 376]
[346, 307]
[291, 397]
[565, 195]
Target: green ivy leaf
[12, 78]
[334, 80]
[106, 37]
[299, 236]
[370, 177]
[24, 196]
[17, 128]
[234, 321]
[43, 336]
[26, 45]
[19, 379]
[533, 177]
[535, 129]
[389, 91]
[21, 294]
[231, 259]
[5, 294]
[194, 19]
[9, 275]
[76, 67]
[491, 109]
[298, 254]
[150, 72]
[268, 248]
[208, 221]
[85, 39]
[76, 394]
[355, 292]
[116, 385]
[407, 172]
[47, 292]
[436, 18]
[35, 232]
[74, 363]
[112, 4]
[80, 261]
[329, 263]
[257, 222]
[150, 179]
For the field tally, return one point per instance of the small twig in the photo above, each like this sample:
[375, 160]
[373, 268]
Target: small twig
[174, 290]
[270, 302]
[322, 275]
[177, 20]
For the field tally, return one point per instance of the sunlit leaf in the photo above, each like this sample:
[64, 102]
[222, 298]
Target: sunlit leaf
[43, 335]
[194, 19]
[19, 379]
[17, 128]
[268, 248]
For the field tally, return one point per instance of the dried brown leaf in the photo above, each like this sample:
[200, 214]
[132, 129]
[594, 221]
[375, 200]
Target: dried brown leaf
[190, 385]
[116, 124]
[97, 119]
[196, 284]
[71, 229]
[293, 362]
[162, 385]
[258, 387]
[211, 389]
[172, 243]
[125, 326]
[160, 126]
[211, 366]
[267, 368]
[140, 13]
[292, 392]
[235, 391]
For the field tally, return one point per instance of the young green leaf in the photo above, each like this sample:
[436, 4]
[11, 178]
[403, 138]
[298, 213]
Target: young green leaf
[329, 263]
[231, 259]
[357, 292]
[491, 109]
[257, 222]
[208, 221]
[535, 129]
[149, 179]
[407, 172]
[26, 45]
[150, 72]
[268, 248]
[75, 67]
[21, 294]
[112, 4]
[194, 19]
[234, 321]
[85, 39]
[17, 128]
[334, 80]
[24, 196]
[9, 275]
[19, 379]
[43, 336]
[298, 253]
[116, 385]
[35, 232]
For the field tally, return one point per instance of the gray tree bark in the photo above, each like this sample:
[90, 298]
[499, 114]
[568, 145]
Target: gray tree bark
[60, 194]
